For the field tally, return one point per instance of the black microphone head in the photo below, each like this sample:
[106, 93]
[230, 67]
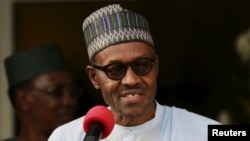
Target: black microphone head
[103, 116]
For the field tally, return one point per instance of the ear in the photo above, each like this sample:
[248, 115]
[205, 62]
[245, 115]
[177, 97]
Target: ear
[92, 76]
[22, 100]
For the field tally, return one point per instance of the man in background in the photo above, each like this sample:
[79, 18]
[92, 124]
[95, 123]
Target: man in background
[42, 91]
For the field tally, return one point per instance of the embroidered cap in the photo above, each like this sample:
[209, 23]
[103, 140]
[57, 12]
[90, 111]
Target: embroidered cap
[111, 25]
[25, 65]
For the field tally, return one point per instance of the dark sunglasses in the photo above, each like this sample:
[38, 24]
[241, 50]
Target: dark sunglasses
[74, 91]
[117, 70]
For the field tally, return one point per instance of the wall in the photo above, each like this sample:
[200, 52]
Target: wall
[6, 45]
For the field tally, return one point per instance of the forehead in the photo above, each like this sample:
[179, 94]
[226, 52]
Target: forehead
[56, 77]
[125, 52]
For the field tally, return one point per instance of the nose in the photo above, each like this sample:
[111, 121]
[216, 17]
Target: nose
[130, 78]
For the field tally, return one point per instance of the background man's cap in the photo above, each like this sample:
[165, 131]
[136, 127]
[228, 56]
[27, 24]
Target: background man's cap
[25, 65]
[111, 25]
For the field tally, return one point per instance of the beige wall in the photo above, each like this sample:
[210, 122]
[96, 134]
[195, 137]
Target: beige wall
[6, 45]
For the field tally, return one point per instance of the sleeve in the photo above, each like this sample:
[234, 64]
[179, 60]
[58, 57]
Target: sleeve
[71, 131]
[56, 135]
[190, 126]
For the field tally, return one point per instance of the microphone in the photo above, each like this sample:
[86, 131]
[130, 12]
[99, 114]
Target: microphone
[98, 123]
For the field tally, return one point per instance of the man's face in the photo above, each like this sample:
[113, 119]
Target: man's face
[52, 98]
[133, 95]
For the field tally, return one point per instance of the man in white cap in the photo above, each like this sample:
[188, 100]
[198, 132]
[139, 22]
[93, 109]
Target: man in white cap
[124, 66]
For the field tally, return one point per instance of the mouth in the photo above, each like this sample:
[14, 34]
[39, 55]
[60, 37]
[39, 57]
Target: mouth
[134, 96]
[66, 116]
[131, 96]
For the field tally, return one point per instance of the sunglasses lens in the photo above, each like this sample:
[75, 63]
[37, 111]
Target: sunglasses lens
[142, 66]
[115, 71]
